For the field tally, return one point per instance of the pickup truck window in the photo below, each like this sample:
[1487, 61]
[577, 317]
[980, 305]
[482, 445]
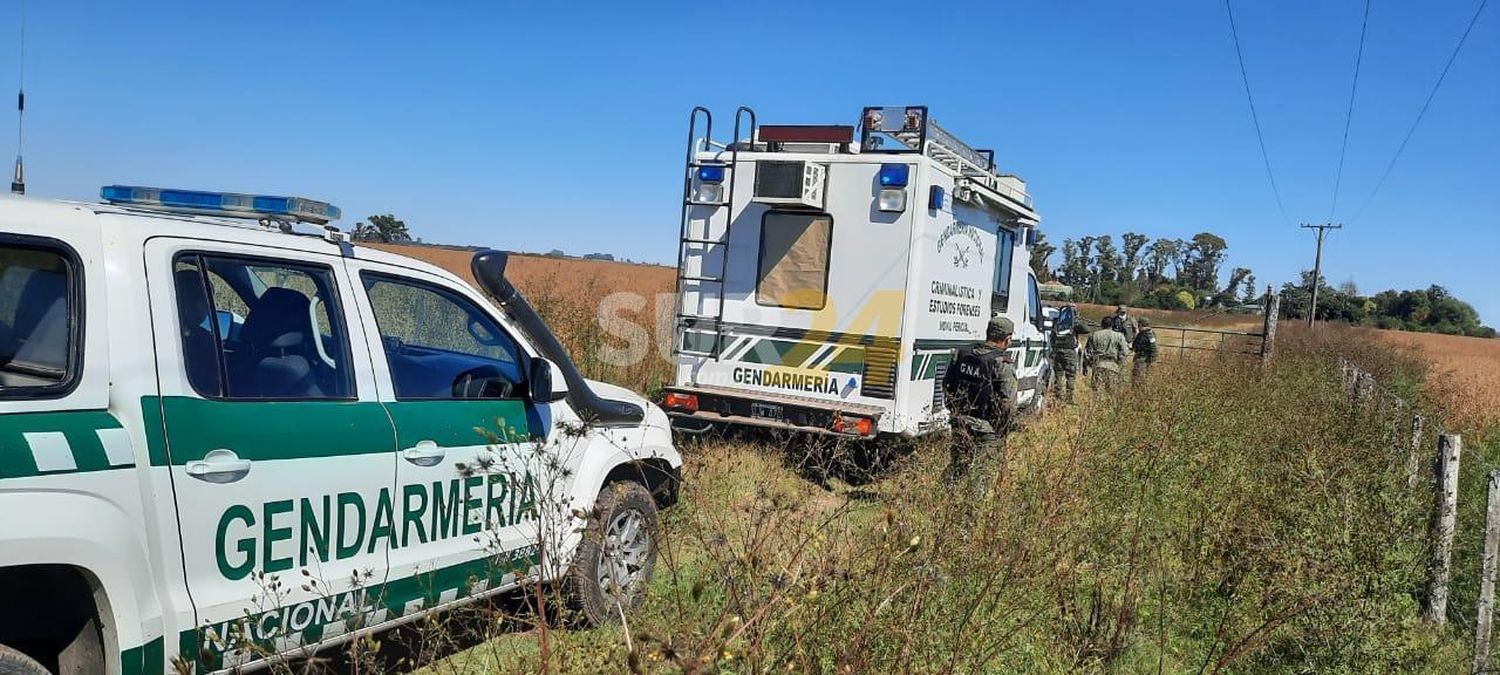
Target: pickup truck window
[257, 330]
[439, 345]
[39, 319]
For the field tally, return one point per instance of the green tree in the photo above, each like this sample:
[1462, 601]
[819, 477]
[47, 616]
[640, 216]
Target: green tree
[1162, 254]
[1107, 260]
[1228, 296]
[1131, 245]
[1252, 292]
[1200, 270]
[387, 228]
[1074, 269]
[1040, 253]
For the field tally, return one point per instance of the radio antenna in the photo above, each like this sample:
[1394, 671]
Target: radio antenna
[18, 181]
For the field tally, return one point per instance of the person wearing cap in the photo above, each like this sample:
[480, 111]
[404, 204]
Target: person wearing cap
[1065, 343]
[1144, 347]
[1105, 353]
[980, 388]
[1124, 325]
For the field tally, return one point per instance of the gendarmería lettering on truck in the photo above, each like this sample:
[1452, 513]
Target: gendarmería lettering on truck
[223, 443]
[828, 273]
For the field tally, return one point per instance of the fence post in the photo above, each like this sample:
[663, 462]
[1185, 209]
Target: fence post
[1414, 454]
[1268, 331]
[1365, 386]
[1485, 610]
[1450, 448]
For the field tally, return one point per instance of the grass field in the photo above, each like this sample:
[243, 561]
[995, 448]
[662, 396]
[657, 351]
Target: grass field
[1223, 517]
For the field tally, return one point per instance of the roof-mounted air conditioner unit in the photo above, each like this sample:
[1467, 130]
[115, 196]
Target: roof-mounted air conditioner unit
[795, 183]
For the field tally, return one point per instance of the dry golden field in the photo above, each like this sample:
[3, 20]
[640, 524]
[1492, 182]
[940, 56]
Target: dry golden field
[613, 317]
[1464, 374]
[544, 276]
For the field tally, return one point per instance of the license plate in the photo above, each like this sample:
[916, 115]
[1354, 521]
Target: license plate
[769, 411]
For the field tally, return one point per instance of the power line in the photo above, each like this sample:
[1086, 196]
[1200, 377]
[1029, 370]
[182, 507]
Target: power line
[1245, 77]
[1359, 55]
[1451, 58]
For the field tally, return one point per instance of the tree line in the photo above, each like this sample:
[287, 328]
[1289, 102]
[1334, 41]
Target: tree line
[1186, 274]
[1162, 274]
[1430, 310]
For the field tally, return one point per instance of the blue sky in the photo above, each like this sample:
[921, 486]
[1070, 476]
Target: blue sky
[561, 125]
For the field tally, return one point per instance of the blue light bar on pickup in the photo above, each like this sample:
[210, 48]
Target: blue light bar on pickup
[228, 204]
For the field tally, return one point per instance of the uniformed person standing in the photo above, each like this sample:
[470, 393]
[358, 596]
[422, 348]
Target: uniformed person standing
[1124, 325]
[1105, 352]
[1065, 346]
[1144, 348]
[981, 387]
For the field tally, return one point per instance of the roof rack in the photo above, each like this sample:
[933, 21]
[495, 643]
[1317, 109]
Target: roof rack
[912, 127]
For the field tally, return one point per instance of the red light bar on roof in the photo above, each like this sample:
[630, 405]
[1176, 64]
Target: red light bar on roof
[806, 133]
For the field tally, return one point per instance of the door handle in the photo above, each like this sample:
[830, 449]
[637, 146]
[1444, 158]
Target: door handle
[218, 466]
[424, 453]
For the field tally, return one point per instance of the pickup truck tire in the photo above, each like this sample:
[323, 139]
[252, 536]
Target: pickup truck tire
[613, 565]
[13, 662]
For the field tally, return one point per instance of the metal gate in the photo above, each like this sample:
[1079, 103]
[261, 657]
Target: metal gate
[1181, 340]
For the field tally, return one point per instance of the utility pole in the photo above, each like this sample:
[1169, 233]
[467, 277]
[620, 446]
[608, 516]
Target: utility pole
[1312, 311]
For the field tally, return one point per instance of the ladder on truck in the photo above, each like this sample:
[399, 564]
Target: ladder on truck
[710, 287]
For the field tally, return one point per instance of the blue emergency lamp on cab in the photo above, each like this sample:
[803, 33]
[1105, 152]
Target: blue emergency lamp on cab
[225, 204]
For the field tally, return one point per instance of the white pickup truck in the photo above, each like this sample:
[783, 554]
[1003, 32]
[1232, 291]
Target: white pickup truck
[201, 410]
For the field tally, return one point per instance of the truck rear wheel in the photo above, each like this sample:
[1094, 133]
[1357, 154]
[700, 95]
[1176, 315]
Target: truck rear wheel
[613, 565]
[13, 662]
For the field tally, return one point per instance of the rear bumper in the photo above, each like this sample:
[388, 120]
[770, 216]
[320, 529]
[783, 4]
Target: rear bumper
[719, 407]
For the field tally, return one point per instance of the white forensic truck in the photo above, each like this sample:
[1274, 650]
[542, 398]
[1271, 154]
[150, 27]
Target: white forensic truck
[224, 441]
[824, 283]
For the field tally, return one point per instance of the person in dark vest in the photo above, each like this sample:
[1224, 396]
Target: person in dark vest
[1124, 325]
[1065, 342]
[1144, 348]
[980, 388]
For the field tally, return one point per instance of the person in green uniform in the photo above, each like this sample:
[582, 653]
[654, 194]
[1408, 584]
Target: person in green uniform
[1124, 325]
[1105, 352]
[980, 388]
[1144, 348]
[1065, 344]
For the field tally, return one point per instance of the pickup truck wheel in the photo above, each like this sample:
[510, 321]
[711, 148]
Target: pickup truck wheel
[613, 565]
[13, 662]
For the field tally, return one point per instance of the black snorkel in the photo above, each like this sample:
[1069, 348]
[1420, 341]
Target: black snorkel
[489, 269]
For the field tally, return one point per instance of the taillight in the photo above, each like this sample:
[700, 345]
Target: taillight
[676, 401]
[848, 424]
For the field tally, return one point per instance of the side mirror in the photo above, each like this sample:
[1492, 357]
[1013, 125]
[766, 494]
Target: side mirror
[543, 383]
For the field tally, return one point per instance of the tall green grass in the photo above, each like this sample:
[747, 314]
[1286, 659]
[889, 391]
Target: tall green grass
[1222, 516]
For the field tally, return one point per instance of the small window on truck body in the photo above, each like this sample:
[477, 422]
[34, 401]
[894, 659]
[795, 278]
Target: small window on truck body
[794, 252]
[41, 318]
[255, 329]
[1005, 249]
